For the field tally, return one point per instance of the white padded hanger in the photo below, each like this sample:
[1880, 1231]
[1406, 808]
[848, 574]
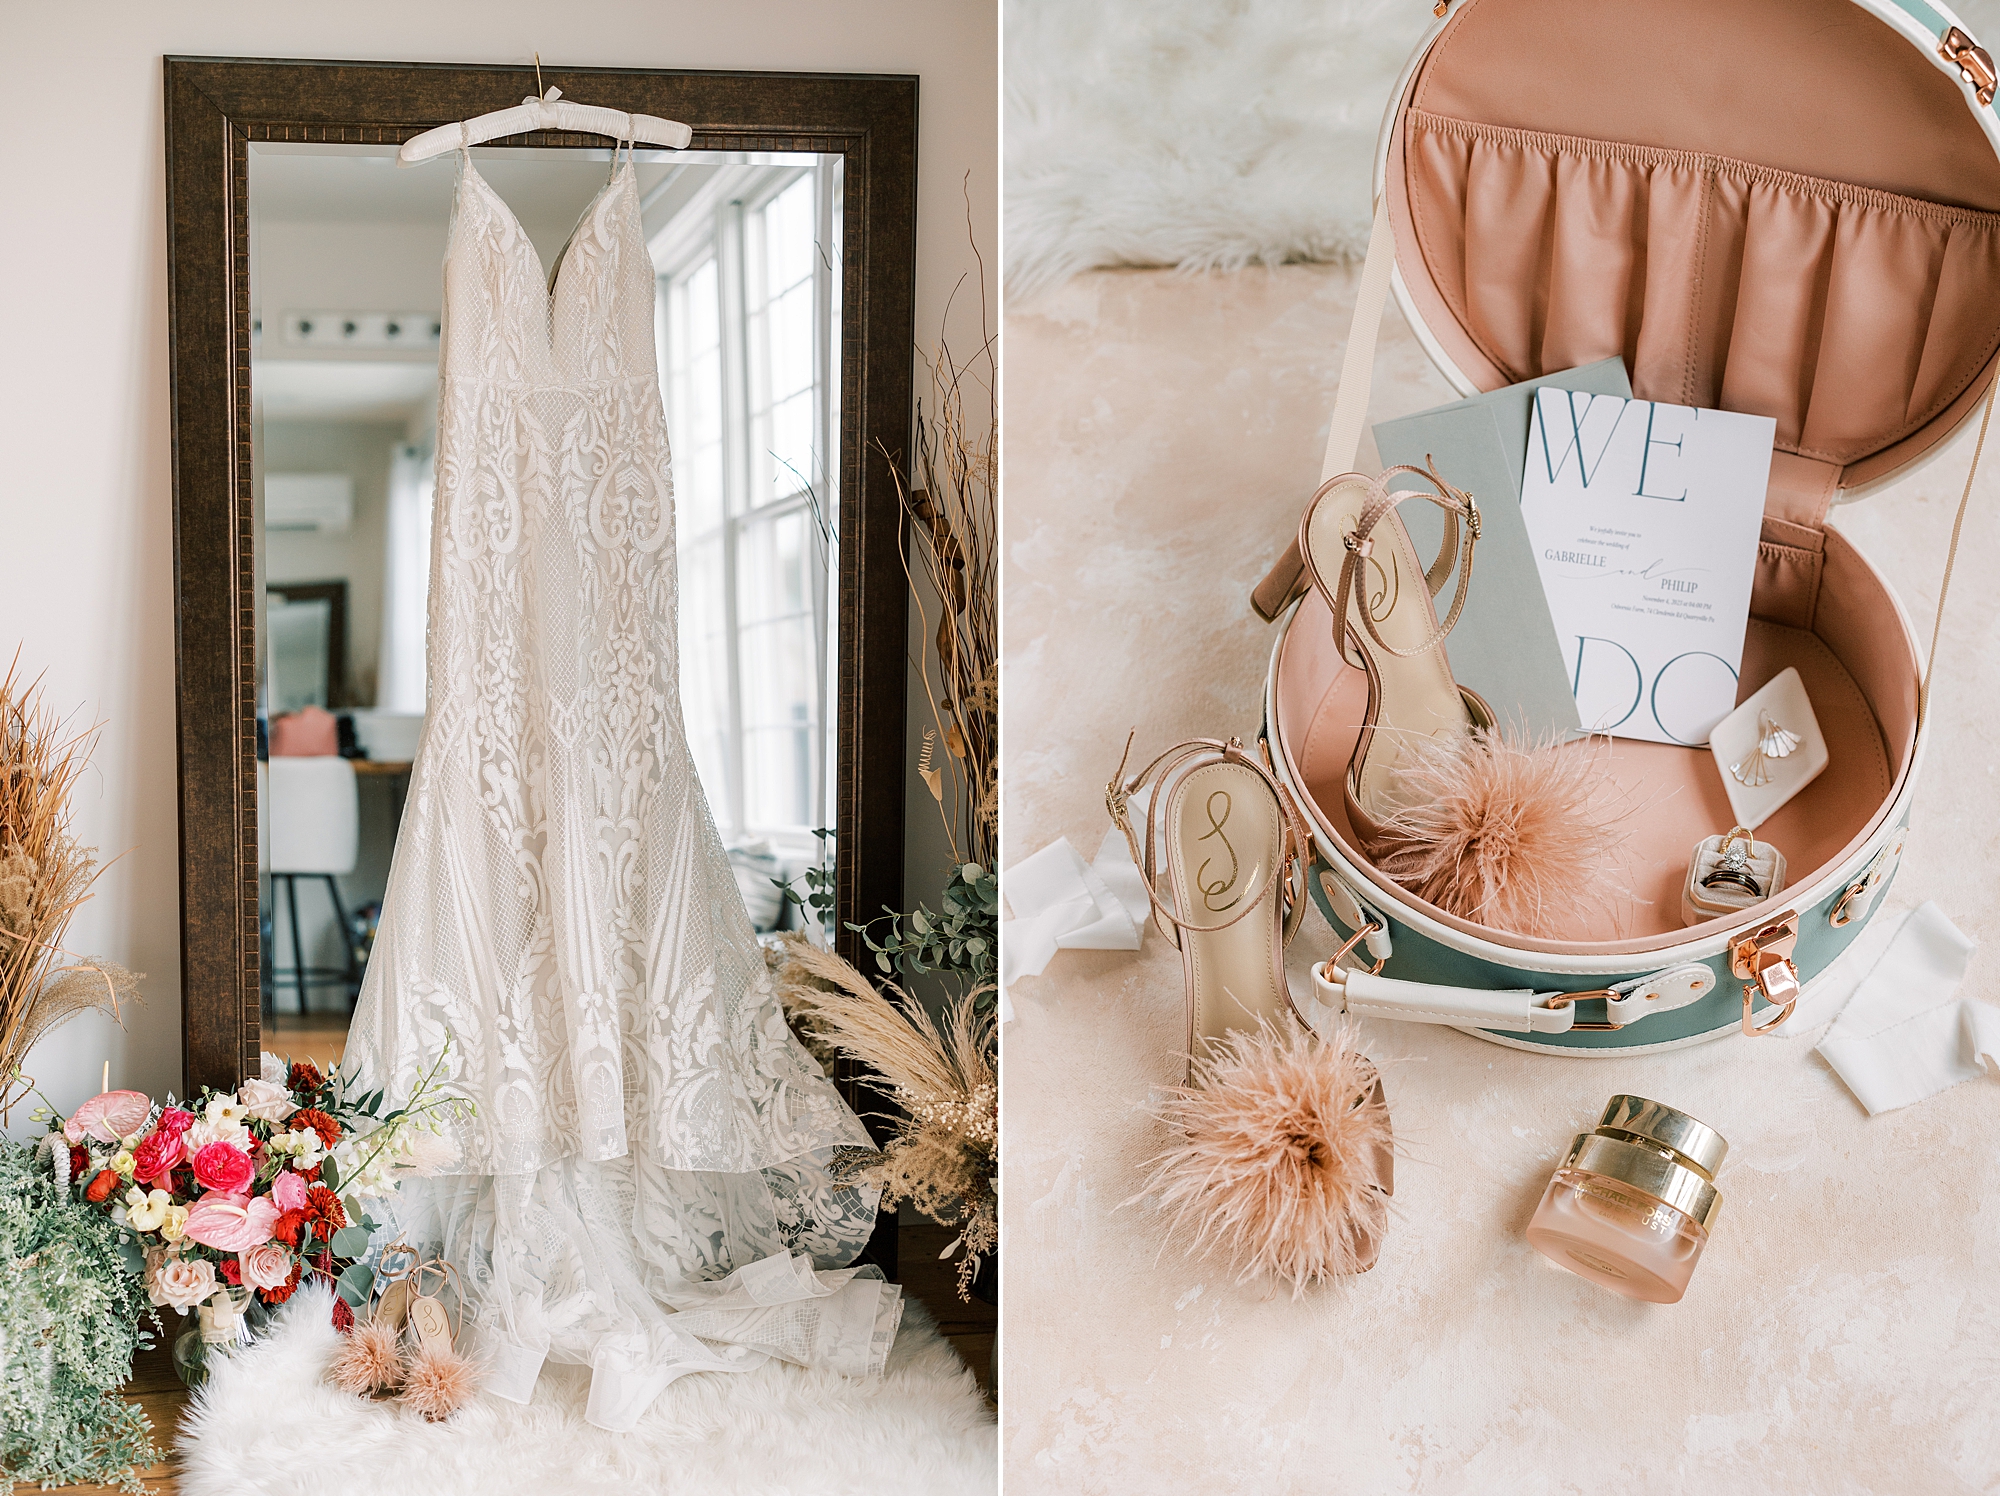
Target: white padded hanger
[550, 112]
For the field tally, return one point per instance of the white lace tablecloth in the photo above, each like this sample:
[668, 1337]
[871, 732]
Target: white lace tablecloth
[1842, 1333]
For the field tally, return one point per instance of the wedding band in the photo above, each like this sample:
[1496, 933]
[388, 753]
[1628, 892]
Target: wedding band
[1736, 876]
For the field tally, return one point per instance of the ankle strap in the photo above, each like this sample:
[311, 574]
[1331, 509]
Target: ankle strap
[1294, 853]
[1456, 504]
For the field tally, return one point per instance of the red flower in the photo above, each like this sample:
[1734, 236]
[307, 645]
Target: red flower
[305, 1076]
[79, 1160]
[157, 1156]
[319, 1122]
[101, 1187]
[225, 1167]
[283, 1291]
[309, 1175]
[324, 1210]
[286, 1228]
[232, 1272]
[343, 1317]
[175, 1121]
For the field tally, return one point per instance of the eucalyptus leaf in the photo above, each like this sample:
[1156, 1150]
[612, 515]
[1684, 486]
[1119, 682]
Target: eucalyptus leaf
[350, 1241]
[329, 1173]
[356, 1284]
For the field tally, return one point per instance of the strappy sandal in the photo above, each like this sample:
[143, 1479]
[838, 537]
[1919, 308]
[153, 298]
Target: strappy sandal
[1236, 852]
[1361, 559]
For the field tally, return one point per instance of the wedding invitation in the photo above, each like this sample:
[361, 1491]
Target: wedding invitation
[1505, 645]
[1644, 519]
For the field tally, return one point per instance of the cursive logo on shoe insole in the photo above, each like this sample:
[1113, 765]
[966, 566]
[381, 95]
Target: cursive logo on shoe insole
[1214, 888]
[1381, 598]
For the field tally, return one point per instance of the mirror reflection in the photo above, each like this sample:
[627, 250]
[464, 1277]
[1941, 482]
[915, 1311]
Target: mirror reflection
[345, 256]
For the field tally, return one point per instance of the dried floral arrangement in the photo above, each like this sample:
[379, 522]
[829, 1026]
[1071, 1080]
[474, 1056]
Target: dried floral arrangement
[45, 877]
[943, 1152]
[72, 1312]
[952, 565]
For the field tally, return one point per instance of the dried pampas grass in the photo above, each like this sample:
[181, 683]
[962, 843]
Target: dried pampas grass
[1518, 834]
[943, 1152]
[1283, 1157]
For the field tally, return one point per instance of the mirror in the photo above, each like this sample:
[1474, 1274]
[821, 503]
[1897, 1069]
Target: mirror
[345, 297]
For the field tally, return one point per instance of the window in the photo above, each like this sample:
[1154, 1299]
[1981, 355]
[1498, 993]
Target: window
[747, 306]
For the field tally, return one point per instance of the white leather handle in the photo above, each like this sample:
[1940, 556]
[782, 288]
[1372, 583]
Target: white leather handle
[1515, 1010]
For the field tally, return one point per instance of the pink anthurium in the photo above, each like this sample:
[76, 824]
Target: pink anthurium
[231, 1223]
[109, 1116]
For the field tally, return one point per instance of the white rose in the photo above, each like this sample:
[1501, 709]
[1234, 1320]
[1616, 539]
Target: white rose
[174, 1222]
[148, 1212]
[200, 1134]
[183, 1282]
[268, 1101]
[121, 1162]
[271, 1068]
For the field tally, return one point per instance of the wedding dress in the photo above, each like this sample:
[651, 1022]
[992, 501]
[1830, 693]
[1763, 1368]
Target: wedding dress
[644, 1187]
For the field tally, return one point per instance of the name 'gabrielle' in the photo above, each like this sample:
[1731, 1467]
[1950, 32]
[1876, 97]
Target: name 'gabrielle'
[1573, 558]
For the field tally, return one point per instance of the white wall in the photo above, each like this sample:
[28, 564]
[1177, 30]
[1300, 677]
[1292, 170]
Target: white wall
[86, 540]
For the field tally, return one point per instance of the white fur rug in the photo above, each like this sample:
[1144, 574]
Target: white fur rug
[266, 1423]
[1207, 134]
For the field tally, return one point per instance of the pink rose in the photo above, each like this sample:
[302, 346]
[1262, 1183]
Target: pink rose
[230, 1223]
[175, 1120]
[266, 1266]
[225, 1167]
[154, 1158]
[288, 1192]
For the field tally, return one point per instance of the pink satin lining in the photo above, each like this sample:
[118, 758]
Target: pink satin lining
[1851, 316]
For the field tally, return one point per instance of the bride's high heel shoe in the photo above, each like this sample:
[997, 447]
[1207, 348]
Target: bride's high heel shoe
[1236, 850]
[1283, 1152]
[1362, 561]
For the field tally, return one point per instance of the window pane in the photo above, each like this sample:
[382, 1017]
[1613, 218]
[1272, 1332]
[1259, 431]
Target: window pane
[695, 378]
[780, 327]
[705, 672]
[778, 661]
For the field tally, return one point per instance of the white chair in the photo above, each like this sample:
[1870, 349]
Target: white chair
[313, 814]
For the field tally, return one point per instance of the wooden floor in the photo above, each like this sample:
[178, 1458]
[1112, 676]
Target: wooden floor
[319, 1037]
[969, 1327]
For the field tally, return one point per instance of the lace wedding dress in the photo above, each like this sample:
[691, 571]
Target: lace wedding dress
[644, 1188]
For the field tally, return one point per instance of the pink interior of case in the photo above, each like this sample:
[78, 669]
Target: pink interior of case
[1773, 206]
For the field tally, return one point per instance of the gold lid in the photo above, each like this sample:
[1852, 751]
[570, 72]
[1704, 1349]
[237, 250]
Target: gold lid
[1650, 1170]
[1655, 1125]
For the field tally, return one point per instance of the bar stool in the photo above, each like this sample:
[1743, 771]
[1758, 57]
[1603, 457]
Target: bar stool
[313, 811]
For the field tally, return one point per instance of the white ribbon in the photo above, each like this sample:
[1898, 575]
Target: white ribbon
[1060, 902]
[1904, 1034]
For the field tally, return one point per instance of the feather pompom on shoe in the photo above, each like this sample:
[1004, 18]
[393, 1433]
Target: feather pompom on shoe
[1513, 833]
[438, 1382]
[370, 1360]
[1282, 1156]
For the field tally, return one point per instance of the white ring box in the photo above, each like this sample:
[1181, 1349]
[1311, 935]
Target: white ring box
[1734, 743]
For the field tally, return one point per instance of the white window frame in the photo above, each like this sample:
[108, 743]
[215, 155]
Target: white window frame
[716, 220]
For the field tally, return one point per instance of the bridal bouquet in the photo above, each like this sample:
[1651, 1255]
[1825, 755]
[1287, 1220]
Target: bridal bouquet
[233, 1199]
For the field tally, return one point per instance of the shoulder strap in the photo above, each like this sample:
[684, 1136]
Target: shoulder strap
[1350, 405]
[1951, 556]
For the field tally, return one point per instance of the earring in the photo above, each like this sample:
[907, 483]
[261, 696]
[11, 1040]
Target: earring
[1774, 741]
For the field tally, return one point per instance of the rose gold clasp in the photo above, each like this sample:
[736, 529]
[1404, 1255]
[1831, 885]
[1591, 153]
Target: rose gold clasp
[1332, 966]
[1763, 960]
[1974, 63]
[1564, 999]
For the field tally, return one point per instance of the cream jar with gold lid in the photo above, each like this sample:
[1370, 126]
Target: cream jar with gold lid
[1631, 1204]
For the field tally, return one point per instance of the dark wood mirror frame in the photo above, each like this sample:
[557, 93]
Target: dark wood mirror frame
[215, 107]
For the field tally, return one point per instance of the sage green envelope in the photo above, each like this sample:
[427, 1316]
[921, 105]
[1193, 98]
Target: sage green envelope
[1505, 645]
